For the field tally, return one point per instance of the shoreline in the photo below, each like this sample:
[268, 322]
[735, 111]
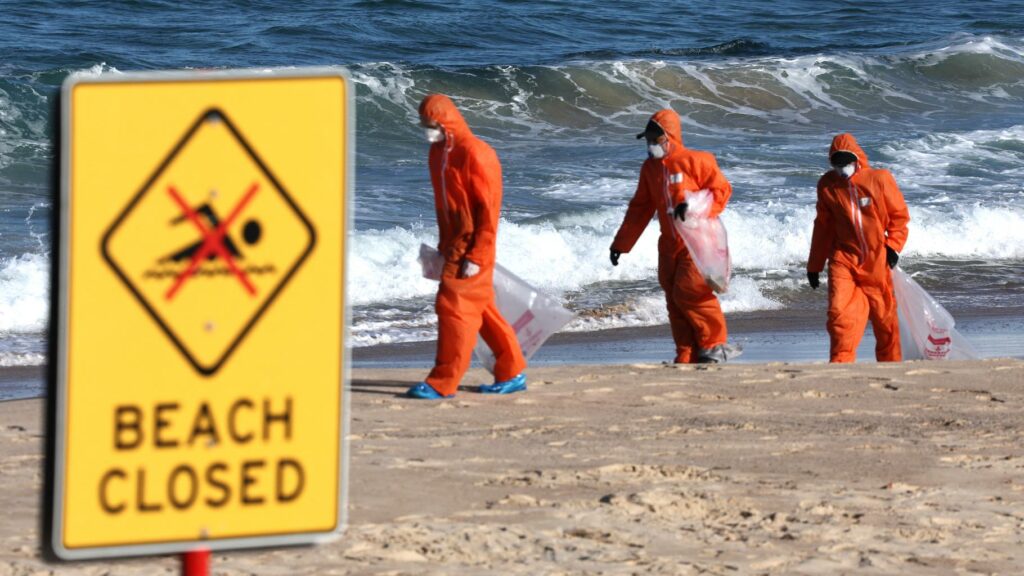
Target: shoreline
[767, 336]
[22, 382]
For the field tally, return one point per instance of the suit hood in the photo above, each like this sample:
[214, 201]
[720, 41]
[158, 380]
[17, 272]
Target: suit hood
[670, 123]
[847, 143]
[440, 108]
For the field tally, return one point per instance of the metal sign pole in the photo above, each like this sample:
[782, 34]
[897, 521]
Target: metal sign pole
[195, 563]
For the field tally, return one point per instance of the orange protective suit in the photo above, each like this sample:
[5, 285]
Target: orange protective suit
[466, 176]
[694, 312]
[857, 219]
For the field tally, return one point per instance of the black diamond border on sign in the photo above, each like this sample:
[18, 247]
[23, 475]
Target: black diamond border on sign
[211, 114]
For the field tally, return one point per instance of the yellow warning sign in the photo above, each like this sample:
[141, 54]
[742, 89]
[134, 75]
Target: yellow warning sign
[201, 306]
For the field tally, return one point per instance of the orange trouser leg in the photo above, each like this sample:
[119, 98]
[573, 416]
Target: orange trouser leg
[508, 356]
[699, 303]
[847, 313]
[682, 332]
[693, 309]
[460, 305]
[884, 320]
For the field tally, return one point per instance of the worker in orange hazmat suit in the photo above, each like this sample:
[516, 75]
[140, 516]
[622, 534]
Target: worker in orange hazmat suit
[466, 177]
[672, 170]
[860, 228]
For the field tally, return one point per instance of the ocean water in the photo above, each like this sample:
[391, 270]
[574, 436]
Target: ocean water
[933, 90]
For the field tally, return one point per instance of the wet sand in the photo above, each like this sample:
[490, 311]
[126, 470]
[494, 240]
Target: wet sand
[914, 468]
[765, 336]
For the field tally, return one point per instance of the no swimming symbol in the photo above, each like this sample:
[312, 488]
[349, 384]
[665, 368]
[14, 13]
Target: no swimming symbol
[215, 242]
[209, 241]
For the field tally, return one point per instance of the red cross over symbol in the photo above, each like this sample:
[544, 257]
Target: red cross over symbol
[213, 241]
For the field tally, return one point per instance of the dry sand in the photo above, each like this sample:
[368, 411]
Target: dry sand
[913, 468]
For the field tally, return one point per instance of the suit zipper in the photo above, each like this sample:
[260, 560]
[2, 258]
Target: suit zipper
[669, 208]
[857, 220]
[444, 181]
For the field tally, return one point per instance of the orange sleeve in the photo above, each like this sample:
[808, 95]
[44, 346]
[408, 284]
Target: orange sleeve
[484, 194]
[899, 216]
[712, 179]
[823, 237]
[638, 215]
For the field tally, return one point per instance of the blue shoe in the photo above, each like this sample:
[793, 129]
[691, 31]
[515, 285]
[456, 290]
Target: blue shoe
[516, 384]
[423, 391]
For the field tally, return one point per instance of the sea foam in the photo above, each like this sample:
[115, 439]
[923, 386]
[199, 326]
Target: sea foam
[24, 293]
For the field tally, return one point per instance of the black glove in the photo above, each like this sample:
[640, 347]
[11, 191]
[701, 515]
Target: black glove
[680, 211]
[615, 257]
[891, 257]
[812, 279]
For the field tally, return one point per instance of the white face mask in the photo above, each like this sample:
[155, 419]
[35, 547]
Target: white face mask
[655, 151]
[434, 135]
[848, 170]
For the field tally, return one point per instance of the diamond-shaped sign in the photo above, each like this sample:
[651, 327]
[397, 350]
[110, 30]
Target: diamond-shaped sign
[209, 241]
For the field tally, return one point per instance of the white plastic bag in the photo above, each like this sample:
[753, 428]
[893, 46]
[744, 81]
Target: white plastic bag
[927, 330]
[707, 240]
[432, 262]
[533, 315]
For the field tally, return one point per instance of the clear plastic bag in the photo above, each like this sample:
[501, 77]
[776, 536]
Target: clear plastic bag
[533, 315]
[432, 262]
[707, 240]
[927, 330]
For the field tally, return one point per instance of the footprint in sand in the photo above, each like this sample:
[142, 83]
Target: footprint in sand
[707, 368]
[902, 487]
[982, 395]
[924, 372]
[519, 501]
[1002, 368]
[611, 474]
[660, 384]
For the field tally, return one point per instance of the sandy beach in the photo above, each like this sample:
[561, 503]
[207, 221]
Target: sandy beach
[914, 468]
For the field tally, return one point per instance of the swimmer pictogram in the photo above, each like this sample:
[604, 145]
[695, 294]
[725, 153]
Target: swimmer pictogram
[209, 241]
[215, 242]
